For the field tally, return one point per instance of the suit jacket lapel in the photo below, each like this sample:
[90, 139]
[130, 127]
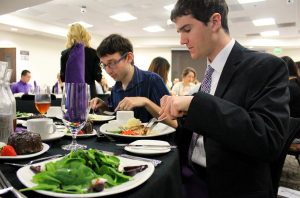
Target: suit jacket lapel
[229, 69]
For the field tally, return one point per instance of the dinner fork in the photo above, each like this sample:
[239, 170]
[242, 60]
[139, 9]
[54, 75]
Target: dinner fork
[100, 134]
[155, 162]
[152, 123]
[109, 112]
[34, 161]
[4, 184]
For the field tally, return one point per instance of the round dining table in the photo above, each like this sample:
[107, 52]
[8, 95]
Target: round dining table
[164, 182]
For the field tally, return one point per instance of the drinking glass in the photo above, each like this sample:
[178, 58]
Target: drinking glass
[42, 99]
[75, 108]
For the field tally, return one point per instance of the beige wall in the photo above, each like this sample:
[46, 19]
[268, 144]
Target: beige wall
[293, 53]
[44, 55]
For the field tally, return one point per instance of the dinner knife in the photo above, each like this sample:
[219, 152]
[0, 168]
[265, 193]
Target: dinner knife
[148, 145]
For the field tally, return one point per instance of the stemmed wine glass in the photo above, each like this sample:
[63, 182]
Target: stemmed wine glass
[42, 99]
[75, 109]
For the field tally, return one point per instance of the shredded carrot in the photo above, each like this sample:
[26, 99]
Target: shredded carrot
[129, 132]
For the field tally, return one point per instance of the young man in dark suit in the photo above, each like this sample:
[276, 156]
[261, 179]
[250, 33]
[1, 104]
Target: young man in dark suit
[240, 114]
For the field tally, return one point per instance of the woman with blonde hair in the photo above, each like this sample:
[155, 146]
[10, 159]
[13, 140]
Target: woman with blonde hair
[78, 34]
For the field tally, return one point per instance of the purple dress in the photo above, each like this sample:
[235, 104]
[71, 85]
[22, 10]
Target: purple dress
[21, 87]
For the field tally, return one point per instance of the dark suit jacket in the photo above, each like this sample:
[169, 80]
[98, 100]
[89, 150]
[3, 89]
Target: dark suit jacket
[243, 124]
[92, 69]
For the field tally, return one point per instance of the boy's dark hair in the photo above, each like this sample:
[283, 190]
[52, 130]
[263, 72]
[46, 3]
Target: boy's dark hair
[112, 44]
[24, 72]
[201, 10]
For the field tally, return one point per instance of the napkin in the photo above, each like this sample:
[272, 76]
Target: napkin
[77, 100]
[75, 66]
[76, 103]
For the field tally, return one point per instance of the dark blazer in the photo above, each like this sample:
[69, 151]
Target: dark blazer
[243, 124]
[92, 69]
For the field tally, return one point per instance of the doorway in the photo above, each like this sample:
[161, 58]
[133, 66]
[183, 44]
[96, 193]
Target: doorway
[9, 55]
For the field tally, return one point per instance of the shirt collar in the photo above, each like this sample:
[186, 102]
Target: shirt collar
[136, 79]
[218, 63]
[23, 83]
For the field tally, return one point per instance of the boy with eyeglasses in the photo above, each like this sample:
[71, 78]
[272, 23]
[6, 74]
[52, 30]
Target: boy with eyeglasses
[134, 89]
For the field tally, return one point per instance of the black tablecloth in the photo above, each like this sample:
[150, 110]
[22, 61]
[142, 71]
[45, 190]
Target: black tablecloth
[165, 181]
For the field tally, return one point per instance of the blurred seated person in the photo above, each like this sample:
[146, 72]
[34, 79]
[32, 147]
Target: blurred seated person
[58, 86]
[175, 80]
[104, 85]
[102, 88]
[195, 89]
[23, 85]
[298, 67]
[188, 77]
[294, 87]
[161, 66]
[134, 89]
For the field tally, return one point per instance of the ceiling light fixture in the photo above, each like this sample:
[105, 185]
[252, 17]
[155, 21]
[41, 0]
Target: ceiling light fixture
[23, 9]
[270, 33]
[154, 28]
[249, 1]
[263, 22]
[14, 29]
[84, 24]
[169, 7]
[123, 16]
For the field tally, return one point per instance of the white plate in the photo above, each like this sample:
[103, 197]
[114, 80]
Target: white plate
[21, 122]
[54, 136]
[148, 150]
[96, 117]
[25, 175]
[45, 148]
[25, 116]
[84, 135]
[158, 130]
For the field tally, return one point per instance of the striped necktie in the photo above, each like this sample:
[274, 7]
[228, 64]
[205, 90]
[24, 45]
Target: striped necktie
[205, 87]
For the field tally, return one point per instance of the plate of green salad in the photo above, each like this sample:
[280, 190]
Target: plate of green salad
[85, 173]
[20, 115]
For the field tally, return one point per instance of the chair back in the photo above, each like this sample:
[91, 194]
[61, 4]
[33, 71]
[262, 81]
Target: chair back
[276, 166]
[27, 97]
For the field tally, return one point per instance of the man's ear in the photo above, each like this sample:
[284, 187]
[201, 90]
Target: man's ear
[130, 57]
[216, 22]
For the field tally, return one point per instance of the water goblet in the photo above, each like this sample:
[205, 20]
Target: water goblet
[75, 108]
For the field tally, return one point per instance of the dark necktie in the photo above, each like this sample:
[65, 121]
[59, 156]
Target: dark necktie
[205, 87]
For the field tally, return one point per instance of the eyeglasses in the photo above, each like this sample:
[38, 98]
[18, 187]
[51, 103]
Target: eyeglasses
[114, 63]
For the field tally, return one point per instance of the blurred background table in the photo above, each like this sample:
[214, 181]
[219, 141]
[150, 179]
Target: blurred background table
[26, 104]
